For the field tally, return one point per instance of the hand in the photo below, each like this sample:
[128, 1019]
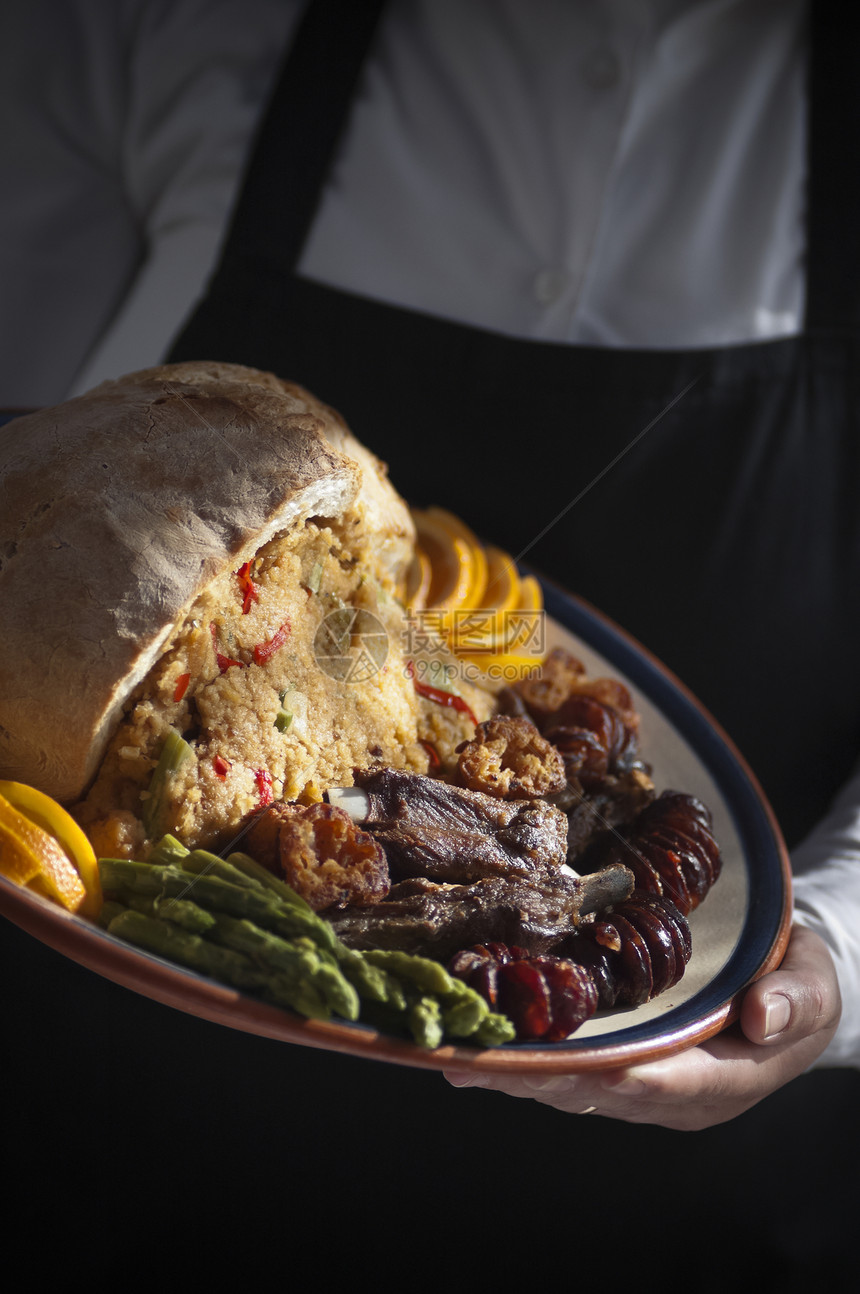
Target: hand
[787, 1019]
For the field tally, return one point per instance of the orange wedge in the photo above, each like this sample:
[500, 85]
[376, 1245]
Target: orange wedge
[457, 560]
[518, 645]
[487, 628]
[417, 583]
[30, 856]
[502, 591]
[53, 819]
[531, 597]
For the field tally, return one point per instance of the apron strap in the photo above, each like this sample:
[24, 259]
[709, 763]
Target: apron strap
[833, 191]
[300, 132]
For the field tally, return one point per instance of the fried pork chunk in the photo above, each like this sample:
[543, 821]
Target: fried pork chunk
[561, 680]
[321, 853]
[508, 757]
[594, 726]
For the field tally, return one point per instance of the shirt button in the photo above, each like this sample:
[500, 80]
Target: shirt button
[550, 285]
[602, 68]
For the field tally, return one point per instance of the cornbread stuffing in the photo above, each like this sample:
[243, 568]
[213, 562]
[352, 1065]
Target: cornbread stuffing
[260, 718]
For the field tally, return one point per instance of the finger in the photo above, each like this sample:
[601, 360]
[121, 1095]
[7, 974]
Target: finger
[702, 1087]
[787, 1019]
[693, 1090]
[649, 1101]
[570, 1093]
[796, 1001]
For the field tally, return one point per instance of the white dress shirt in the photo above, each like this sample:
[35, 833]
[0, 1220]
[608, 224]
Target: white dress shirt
[607, 172]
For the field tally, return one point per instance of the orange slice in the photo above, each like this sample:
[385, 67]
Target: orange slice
[456, 566]
[461, 531]
[53, 819]
[531, 596]
[418, 578]
[30, 856]
[502, 590]
[486, 629]
[517, 630]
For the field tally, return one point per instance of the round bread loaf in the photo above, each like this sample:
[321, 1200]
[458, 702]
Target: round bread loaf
[118, 508]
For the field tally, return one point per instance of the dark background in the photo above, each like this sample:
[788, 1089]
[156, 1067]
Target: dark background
[142, 1145]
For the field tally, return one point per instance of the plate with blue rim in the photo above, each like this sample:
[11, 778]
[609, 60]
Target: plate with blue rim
[739, 932]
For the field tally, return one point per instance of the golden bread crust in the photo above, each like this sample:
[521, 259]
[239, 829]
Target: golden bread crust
[118, 509]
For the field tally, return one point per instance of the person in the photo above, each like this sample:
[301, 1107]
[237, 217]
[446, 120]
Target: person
[503, 243]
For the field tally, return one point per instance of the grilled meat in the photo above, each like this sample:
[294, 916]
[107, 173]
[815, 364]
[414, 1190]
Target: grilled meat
[619, 800]
[448, 833]
[436, 920]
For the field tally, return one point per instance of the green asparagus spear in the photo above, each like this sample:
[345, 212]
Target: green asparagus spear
[296, 995]
[171, 941]
[338, 991]
[372, 983]
[202, 863]
[182, 912]
[109, 910]
[168, 850]
[216, 895]
[119, 874]
[299, 960]
[494, 1030]
[257, 872]
[425, 1022]
[463, 1010]
[240, 868]
[426, 974]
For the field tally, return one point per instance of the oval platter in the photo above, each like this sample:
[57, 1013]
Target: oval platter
[739, 932]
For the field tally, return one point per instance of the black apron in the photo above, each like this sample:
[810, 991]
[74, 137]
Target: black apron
[726, 540]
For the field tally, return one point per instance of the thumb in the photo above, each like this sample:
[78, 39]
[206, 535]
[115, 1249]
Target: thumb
[798, 999]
